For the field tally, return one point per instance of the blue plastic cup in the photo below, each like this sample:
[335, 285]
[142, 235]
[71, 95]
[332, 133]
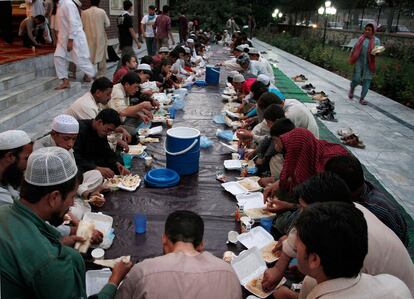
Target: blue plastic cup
[172, 111]
[266, 223]
[127, 158]
[140, 221]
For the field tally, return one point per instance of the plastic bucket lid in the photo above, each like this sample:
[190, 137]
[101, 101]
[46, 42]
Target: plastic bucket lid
[183, 133]
[162, 176]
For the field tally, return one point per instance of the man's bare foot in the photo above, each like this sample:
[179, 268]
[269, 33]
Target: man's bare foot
[86, 78]
[65, 84]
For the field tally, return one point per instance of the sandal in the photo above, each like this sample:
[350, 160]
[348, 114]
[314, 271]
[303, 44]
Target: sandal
[308, 86]
[320, 97]
[345, 132]
[353, 140]
[363, 102]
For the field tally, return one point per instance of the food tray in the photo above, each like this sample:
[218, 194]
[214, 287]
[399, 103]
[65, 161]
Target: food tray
[232, 164]
[234, 188]
[256, 237]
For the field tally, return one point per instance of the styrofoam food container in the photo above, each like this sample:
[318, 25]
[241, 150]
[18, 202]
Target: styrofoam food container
[253, 200]
[232, 164]
[249, 265]
[96, 280]
[256, 237]
[234, 188]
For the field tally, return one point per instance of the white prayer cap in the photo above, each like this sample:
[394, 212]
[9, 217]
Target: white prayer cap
[187, 50]
[144, 67]
[78, 3]
[264, 79]
[163, 50]
[233, 73]
[253, 51]
[91, 180]
[238, 78]
[50, 166]
[13, 139]
[190, 41]
[240, 48]
[65, 124]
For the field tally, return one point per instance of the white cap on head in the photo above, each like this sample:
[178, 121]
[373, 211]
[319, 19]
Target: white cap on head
[233, 73]
[65, 124]
[190, 41]
[50, 166]
[91, 180]
[238, 78]
[144, 67]
[187, 50]
[253, 51]
[264, 79]
[240, 48]
[13, 139]
[163, 50]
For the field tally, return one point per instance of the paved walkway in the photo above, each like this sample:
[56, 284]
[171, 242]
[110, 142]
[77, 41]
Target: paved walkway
[385, 126]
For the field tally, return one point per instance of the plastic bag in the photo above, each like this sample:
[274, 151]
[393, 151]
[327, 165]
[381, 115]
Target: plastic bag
[219, 119]
[178, 104]
[205, 142]
[225, 134]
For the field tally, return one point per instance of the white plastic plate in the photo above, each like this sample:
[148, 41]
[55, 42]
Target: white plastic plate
[234, 188]
[130, 189]
[251, 200]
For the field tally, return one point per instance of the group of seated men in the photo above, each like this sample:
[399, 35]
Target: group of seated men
[348, 239]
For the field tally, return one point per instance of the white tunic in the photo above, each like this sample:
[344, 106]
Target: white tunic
[84, 108]
[8, 194]
[69, 26]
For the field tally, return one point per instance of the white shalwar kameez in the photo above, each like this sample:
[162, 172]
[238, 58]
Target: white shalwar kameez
[69, 26]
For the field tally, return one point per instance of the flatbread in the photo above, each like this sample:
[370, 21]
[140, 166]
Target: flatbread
[150, 140]
[111, 263]
[250, 185]
[136, 149]
[255, 286]
[112, 182]
[267, 253]
[85, 230]
[130, 181]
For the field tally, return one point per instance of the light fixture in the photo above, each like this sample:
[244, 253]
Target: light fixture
[321, 10]
[328, 3]
[276, 11]
[280, 15]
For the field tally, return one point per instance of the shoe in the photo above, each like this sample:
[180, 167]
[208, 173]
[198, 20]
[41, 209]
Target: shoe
[320, 97]
[350, 94]
[308, 86]
[363, 102]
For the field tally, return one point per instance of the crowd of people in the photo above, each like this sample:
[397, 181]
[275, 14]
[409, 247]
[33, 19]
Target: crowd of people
[347, 238]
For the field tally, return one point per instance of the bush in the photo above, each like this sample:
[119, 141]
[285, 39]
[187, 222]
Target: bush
[393, 76]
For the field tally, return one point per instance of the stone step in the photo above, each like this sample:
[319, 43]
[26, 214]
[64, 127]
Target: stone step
[40, 125]
[26, 92]
[8, 81]
[39, 102]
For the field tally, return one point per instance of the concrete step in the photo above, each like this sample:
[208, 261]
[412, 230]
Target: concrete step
[26, 92]
[40, 125]
[9, 81]
[19, 114]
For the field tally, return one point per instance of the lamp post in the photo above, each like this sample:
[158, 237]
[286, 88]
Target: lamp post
[277, 14]
[326, 10]
[379, 3]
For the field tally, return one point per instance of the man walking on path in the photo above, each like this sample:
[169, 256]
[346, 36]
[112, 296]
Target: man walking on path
[72, 44]
[95, 20]
[183, 28]
[148, 32]
[162, 27]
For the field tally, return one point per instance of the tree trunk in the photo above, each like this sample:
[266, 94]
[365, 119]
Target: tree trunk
[390, 18]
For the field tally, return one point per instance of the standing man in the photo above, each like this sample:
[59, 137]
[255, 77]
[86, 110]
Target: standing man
[183, 28]
[95, 20]
[162, 27]
[252, 24]
[72, 44]
[126, 31]
[15, 148]
[231, 25]
[148, 32]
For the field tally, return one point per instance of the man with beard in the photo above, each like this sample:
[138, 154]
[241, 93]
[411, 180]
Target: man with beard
[15, 148]
[34, 263]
